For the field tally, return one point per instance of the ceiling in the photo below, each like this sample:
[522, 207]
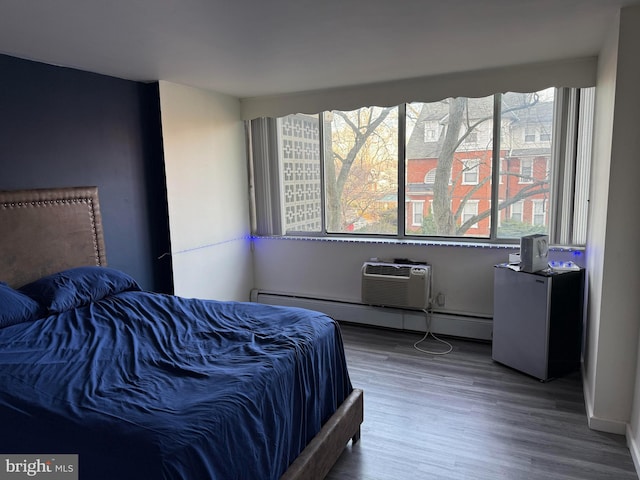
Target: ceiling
[249, 48]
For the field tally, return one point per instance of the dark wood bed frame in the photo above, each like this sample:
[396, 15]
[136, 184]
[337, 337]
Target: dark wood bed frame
[44, 231]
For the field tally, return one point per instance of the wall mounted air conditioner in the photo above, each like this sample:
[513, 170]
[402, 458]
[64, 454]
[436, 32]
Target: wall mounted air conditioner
[396, 285]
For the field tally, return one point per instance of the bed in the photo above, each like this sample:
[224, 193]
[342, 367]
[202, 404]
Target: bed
[146, 385]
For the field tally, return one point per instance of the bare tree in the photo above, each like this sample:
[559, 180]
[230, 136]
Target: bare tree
[443, 216]
[459, 127]
[361, 126]
[350, 186]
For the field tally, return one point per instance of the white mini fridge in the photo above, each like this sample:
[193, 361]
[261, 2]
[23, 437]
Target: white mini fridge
[537, 321]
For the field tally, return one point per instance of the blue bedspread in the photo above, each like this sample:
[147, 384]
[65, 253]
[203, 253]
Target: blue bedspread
[150, 386]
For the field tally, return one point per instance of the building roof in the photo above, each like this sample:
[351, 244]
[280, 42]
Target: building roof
[520, 109]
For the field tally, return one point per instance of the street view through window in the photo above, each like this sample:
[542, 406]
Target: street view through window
[447, 159]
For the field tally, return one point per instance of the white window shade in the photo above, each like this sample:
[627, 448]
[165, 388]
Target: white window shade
[578, 73]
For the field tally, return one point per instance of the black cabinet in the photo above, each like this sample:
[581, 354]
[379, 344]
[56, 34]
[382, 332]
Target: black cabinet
[537, 321]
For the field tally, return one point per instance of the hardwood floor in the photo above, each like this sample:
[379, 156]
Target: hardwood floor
[463, 416]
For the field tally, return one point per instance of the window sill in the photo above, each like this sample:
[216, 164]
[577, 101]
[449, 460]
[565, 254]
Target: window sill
[396, 241]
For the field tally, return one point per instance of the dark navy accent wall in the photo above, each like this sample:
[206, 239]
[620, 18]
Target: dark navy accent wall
[62, 127]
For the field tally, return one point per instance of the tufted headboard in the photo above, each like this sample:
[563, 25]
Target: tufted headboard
[43, 231]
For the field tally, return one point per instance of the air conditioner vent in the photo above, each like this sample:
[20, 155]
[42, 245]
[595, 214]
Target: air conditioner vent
[396, 285]
[389, 269]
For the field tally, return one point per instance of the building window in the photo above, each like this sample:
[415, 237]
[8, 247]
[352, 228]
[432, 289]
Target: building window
[470, 212]
[526, 170]
[431, 129]
[370, 171]
[529, 135]
[538, 212]
[429, 134]
[516, 212]
[472, 137]
[470, 173]
[430, 177]
[417, 212]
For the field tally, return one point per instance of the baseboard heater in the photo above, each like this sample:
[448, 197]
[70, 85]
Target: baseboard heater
[459, 325]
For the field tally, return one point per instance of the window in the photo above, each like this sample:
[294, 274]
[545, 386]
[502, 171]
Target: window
[462, 170]
[371, 171]
[516, 212]
[429, 134]
[470, 212]
[529, 135]
[417, 209]
[526, 170]
[361, 170]
[470, 171]
[430, 177]
[538, 212]
[472, 137]
[432, 130]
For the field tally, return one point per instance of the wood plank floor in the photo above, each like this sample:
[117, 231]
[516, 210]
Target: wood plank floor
[463, 416]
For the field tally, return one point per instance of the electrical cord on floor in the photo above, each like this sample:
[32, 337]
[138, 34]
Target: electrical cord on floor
[428, 333]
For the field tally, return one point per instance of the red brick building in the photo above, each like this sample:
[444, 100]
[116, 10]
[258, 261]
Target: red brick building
[525, 165]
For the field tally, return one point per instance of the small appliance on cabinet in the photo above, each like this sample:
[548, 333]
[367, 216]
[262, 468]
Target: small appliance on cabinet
[537, 321]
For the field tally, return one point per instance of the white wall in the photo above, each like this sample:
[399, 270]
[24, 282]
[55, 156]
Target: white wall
[598, 203]
[207, 189]
[614, 312]
[332, 269]
[625, 166]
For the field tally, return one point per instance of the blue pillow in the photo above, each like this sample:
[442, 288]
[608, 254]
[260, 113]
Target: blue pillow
[16, 307]
[76, 287]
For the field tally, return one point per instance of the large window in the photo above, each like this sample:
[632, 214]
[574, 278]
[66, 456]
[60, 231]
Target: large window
[361, 170]
[371, 171]
[461, 158]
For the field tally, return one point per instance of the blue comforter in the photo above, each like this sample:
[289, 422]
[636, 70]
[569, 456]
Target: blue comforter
[150, 386]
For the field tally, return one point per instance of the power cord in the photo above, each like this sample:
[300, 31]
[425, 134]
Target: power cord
[430, 333]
